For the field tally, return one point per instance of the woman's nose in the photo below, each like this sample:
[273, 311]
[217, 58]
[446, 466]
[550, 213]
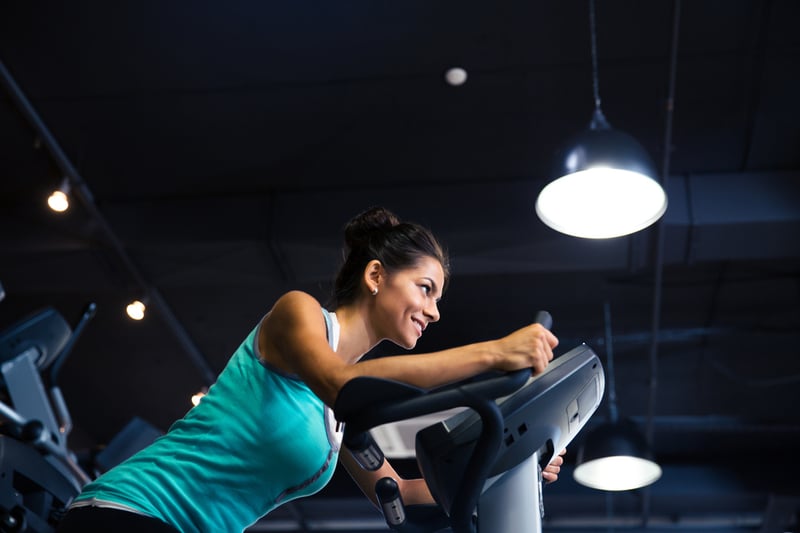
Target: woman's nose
[433, 312]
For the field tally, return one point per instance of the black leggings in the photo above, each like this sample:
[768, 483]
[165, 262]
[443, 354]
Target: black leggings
[101, 519]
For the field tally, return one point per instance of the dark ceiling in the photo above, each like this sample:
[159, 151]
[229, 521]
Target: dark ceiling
[216, 150]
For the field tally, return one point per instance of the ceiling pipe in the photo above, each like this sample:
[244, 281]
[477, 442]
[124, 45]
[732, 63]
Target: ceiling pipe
[754, 83]
[81, 191]
[659, 248]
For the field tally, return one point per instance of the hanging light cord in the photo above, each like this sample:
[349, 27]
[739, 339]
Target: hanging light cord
[593, 33]
[658, 260]
[612, 387]
[659, 252]
[598, 119]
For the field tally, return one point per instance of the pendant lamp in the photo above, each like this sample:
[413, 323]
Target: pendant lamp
[615, 456]
[606, 183]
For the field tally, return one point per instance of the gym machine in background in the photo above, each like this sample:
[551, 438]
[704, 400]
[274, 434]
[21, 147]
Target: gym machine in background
[39, 475]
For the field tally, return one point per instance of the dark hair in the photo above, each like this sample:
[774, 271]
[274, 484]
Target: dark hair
[378, 234]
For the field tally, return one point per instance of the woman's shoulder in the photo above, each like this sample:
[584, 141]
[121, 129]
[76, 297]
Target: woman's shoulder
[296, 299]
[293, 306]
[294, 319]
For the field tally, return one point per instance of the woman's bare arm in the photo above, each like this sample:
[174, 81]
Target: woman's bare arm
[294, 335]
[413, 491]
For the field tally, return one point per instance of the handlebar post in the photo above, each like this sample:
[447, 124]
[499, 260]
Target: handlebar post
[479, 463]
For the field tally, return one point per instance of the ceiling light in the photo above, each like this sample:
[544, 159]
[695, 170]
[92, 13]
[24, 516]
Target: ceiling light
[136, 310]
[59, 198]
[615, 457]
[605, 182]
[198, 396]
[456, 76]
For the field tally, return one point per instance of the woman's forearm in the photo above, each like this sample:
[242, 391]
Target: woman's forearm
[415, 492]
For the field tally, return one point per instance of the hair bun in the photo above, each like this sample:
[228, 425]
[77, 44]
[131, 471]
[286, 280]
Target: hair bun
[375, 219]
[378, 235]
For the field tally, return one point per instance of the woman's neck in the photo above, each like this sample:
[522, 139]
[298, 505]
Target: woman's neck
[356, 336]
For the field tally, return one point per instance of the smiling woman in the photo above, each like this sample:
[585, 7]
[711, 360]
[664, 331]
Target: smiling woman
[265, 433]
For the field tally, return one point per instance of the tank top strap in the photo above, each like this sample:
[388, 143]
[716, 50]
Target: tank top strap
[332, 325]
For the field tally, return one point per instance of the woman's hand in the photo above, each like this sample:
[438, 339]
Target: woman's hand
[528, 347]
[550, 473]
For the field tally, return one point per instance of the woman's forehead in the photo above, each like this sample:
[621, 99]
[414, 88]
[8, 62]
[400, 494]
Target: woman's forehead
[430, 267]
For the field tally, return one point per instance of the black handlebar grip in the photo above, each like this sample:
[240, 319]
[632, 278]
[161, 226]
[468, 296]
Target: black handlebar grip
[388, 493]
[544, 318]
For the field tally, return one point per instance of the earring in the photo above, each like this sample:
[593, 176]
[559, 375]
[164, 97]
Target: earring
[375, 291]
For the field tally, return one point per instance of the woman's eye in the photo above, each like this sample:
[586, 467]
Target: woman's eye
[427, 289]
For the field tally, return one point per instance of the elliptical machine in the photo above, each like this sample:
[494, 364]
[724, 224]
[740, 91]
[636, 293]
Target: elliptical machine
[485, 460]
[39, 476]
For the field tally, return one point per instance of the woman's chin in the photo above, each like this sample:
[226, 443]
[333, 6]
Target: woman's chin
[406, 344]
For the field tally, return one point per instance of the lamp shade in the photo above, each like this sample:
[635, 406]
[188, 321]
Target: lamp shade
[615, 457]
[605, 187]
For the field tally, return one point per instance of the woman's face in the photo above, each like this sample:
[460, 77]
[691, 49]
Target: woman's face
[407, 301]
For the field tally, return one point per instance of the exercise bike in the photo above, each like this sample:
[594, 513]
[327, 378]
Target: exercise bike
[39, 476]
[484, 464]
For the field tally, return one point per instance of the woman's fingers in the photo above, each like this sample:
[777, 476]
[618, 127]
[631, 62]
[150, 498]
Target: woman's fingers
[528, 347]
[544, 343]
[551, 471]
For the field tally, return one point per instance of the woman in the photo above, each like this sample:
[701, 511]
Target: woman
[265, 434]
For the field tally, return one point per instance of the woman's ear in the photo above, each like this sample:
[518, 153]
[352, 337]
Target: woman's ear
[373, 275]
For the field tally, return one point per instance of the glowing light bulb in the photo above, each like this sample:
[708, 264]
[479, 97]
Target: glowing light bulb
[601, 203]
[58, 201]
[617, 473]
[135, 310]
[197, 397]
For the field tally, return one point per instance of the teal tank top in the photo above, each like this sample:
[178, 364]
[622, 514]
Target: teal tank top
[258, 439]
